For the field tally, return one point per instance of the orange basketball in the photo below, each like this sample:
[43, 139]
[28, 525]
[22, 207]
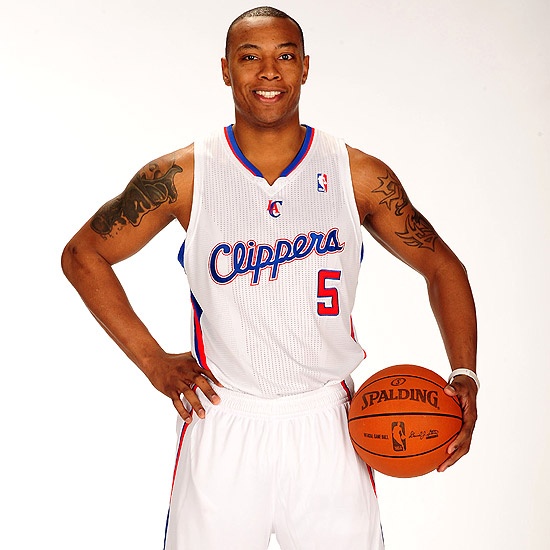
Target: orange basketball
[401, 421]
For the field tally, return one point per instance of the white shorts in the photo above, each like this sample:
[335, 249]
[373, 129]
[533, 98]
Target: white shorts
[257, 466]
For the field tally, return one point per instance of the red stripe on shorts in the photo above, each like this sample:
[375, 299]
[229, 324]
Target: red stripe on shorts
[371, 475]
[345, 386]
[183, 430]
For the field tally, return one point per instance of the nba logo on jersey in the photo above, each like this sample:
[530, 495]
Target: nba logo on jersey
[273, 208]
[322, 183]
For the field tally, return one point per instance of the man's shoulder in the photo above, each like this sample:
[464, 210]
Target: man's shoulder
[367, 171]
[183, 157]
[174, 163]
[361, 161]
[356, 156]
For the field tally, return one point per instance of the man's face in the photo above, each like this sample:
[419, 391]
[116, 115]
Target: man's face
[265, 67]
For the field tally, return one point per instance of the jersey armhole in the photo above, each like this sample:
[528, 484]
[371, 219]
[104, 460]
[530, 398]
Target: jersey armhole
[198, 179]
[345, 174]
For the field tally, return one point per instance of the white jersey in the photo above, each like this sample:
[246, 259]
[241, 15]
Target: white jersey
[273, 269]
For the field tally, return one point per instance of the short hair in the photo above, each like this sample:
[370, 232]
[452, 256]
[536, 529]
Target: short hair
[263, 11]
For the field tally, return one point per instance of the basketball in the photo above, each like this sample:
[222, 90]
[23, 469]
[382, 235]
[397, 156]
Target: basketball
[401, 421]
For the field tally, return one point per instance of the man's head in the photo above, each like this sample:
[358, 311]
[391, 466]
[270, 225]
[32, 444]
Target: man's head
[263, 11]
[266, 67]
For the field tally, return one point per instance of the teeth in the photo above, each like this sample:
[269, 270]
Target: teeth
[268, 95]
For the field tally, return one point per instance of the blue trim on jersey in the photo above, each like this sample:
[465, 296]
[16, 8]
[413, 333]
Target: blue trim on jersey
[362, 252]
[251, 168]
[196, 307]
[301, 153]
[197, 310]
[238, 153]
[166, 528]
[180, 254]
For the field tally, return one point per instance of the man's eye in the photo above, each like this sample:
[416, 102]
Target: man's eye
[286, 57]
[249, 57]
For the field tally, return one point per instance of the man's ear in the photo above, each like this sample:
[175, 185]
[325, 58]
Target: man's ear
[306, 69]
[225, 72]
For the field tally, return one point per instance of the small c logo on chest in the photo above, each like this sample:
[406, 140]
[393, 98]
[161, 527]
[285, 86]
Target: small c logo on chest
[274, 208]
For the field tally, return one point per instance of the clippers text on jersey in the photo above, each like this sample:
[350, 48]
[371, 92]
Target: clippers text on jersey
[242, 258]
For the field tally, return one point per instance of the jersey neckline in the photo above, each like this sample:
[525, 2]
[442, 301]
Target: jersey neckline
[300, 156]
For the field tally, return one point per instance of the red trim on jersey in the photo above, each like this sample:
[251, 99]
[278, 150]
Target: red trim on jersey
[345, 386]
[238, 154]
[183, 430]
[371, 475]
[199, 342]
[302, 154]
[180, 444]
[352, 328]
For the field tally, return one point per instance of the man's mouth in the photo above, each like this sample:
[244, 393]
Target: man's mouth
[267, 94]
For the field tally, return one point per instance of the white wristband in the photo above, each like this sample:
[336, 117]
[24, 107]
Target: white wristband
[465, 372]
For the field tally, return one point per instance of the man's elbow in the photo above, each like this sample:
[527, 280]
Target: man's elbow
[72, 260]
[450, 269]
[67, 258]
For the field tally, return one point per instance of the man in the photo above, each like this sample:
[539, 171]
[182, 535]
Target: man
[272, 211]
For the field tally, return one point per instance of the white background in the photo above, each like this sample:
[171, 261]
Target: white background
[454, 96]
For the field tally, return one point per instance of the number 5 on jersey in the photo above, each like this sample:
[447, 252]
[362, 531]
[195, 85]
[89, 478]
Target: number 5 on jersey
[329, 305]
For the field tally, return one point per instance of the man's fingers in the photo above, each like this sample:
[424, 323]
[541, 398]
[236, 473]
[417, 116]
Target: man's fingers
[182, 411]
[181, 382]
[450, 390]
[210, 376]
[194, 401]
[457, 450]
[207, 389]
[461, 445]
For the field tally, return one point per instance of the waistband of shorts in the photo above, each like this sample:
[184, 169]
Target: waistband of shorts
[328, 396]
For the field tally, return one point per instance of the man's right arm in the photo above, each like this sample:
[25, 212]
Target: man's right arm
[158, 193]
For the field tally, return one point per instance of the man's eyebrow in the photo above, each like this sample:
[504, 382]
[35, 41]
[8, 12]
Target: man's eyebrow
[287, 45]
[248, 47]
[282, 46]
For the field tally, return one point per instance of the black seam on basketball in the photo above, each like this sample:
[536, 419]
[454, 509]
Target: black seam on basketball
[405, 414]
[407, 456]
[402, 376]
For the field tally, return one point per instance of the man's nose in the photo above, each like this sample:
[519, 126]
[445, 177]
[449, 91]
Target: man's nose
[269, 70]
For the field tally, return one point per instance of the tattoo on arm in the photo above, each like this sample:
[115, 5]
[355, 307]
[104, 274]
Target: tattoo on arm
[394, 194]
[418, 231]
[142, 195]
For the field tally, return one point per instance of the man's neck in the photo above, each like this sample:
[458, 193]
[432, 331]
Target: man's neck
[271, 150]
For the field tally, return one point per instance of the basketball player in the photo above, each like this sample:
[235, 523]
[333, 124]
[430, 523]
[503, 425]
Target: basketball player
[273, 266]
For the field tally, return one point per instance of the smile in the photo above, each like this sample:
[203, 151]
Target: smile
[268, 95]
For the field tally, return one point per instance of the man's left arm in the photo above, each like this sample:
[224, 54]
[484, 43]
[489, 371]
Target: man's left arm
[389, 216]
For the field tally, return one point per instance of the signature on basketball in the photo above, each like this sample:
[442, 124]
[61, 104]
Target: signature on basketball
[424, 434]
